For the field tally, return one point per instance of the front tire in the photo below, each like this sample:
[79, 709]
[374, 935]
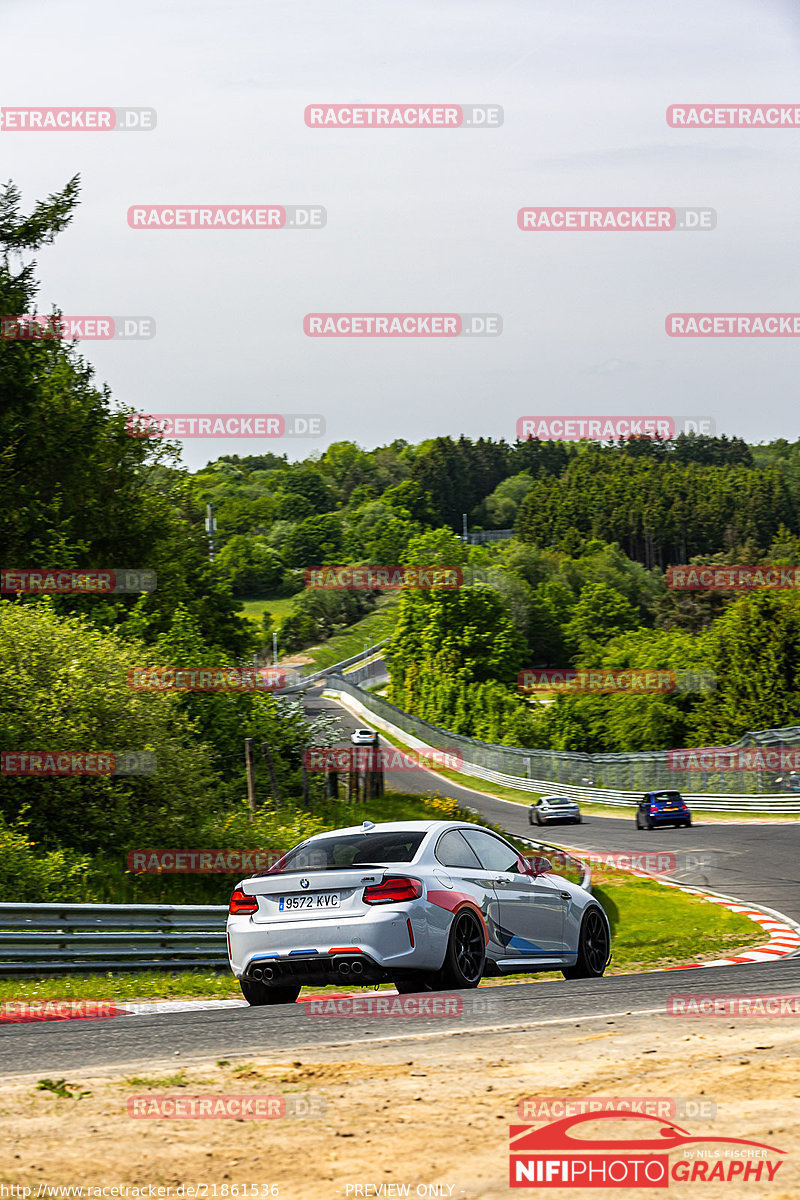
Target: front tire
[593, 948]
[257, 994]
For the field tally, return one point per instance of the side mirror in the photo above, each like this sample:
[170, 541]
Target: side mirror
[536, 864]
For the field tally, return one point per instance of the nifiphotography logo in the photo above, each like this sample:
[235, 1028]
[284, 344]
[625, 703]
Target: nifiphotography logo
[556, 1155]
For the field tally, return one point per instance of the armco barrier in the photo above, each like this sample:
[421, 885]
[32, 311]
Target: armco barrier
[45, 938]
[335, 669]
[54, 939]
[618, 779]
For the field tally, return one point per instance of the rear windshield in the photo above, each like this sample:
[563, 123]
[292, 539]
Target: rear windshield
[666, 798]
[352, 850]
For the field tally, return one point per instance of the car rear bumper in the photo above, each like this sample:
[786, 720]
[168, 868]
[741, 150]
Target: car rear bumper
[380, 938]
[316, 969]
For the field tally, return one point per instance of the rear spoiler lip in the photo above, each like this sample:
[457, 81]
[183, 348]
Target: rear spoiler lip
[311, 870]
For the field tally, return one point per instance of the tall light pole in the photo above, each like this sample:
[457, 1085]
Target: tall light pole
[211, 528]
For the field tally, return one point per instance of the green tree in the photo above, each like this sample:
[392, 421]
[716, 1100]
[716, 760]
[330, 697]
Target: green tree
[599, 615]
[314, 542]
[76, 489]
[253, 568]
[66, 687]
[456, 637]
[754, 649]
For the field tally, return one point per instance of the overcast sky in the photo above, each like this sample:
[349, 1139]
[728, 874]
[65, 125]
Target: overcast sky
[419, 221]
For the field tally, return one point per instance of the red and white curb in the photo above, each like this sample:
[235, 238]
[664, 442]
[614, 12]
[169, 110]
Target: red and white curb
[783, 934]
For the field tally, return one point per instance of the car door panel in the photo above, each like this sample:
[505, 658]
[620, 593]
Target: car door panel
[531, 907]
[465, 880]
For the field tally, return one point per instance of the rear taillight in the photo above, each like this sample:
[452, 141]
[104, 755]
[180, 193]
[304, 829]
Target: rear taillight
[393, 890]
[653, 812]
[242, 903]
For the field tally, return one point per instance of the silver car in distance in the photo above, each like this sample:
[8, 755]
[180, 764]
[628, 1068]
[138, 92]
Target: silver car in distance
[554, 808]
[427, 905]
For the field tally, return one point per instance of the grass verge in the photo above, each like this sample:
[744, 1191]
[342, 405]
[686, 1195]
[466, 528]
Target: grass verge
[353, 640]
[278, 608]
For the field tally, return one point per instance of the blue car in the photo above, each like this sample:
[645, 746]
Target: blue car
[662, 808]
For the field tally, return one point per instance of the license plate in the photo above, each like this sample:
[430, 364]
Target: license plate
[290, 903]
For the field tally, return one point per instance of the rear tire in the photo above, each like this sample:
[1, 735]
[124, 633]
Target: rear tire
[257, 994]
[530, 816]
[538, 819]
[593, 948]
[466, 952]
